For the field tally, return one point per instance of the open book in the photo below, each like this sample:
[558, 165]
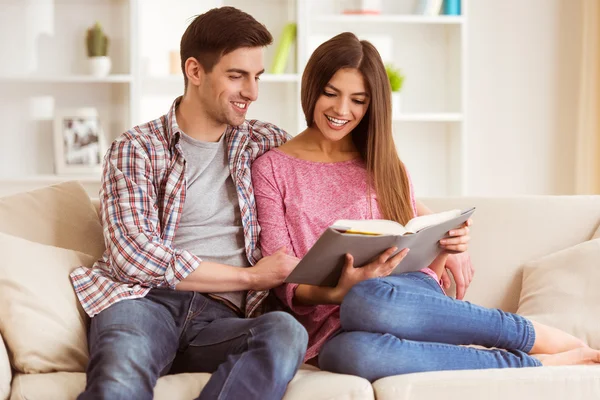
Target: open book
[367, 239]
[385, 227]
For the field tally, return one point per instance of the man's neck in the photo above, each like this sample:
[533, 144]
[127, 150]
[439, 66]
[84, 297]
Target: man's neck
[195, 122]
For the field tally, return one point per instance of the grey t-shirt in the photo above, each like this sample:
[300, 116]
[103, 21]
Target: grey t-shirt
[210, 226]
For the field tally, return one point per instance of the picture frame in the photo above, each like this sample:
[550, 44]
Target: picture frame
[79, 143]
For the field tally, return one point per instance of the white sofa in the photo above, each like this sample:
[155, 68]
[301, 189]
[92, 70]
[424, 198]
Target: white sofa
[507, 233]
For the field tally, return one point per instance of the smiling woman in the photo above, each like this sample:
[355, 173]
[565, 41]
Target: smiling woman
[341, 109]
[345, 166]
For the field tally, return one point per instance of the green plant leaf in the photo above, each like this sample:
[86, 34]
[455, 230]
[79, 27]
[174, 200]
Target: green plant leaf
[395, 77]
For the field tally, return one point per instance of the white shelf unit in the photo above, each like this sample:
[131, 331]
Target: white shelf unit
[47, 71]
[431, 50]
[391, 18]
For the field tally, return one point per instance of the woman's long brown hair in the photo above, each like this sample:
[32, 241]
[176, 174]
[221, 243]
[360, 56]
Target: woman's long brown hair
[373, 135]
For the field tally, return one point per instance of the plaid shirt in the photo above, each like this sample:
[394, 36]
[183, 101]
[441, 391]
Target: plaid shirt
[142, 195]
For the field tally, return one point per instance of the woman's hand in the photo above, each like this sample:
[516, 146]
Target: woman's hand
[458, 239]
[382, 266]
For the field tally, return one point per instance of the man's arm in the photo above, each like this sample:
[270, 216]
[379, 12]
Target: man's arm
[139, 254]
[137, 251]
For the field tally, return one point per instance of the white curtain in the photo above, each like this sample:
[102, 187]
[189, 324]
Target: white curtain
[587, 157]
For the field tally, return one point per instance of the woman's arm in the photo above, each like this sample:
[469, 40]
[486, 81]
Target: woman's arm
[274, 233]
[422, 209]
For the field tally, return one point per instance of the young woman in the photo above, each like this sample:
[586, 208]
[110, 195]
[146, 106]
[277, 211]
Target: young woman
[345, 166]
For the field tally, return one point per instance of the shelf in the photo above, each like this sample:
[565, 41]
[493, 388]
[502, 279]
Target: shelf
[280, 78]
[394, 18]
[264, 78]
[50, 178]
[429, 117]
[122, 78]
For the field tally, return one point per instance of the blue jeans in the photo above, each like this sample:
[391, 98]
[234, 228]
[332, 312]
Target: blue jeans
[134, 342]
[405, 323]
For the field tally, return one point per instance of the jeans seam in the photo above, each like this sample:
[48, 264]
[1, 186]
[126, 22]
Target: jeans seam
[191, 315]
[225, 387]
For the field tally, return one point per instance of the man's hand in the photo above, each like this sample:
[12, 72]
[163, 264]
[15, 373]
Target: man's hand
[272, 270]
[458, 262]
[462, 271]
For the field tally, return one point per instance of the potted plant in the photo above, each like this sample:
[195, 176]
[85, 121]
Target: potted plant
[396, 79]
[97, 50]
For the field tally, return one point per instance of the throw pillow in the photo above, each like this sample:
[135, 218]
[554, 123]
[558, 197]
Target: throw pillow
[62, 215]
[41, 319]
[561, 290]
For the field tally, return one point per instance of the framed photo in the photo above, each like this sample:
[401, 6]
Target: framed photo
[79, 142]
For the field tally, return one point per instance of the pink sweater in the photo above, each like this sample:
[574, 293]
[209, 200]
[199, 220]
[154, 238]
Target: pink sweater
[297, 200]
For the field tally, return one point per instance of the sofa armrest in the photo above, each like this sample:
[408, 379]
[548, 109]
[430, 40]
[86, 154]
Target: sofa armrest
[5, 372]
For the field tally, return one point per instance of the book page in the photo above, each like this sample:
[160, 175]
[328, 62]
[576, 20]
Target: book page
[424, 221]
[370, 227]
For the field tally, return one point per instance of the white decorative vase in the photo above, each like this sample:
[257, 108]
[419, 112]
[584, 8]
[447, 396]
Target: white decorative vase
[396, 104]
[100, 66]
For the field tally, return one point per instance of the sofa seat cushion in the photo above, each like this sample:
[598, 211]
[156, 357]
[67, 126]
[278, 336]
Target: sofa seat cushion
[563, 290]
[41, 320]
[309, 383]
[548, 383]
[62, 215]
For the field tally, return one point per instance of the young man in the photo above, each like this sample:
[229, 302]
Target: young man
[180, 271]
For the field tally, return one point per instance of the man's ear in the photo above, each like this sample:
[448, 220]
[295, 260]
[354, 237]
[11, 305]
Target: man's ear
[194, 71]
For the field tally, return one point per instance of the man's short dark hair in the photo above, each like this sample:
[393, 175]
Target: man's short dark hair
[218, 32]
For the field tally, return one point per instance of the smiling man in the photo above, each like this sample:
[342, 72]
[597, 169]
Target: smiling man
[179, 287]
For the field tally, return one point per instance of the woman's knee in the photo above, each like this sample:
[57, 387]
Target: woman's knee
[351, 353]
[370, 301]
[371, 355]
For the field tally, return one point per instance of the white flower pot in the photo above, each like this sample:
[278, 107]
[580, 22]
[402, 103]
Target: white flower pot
[100, 66]
[396, 104]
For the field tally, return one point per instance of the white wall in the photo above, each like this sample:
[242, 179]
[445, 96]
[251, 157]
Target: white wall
[522, 96]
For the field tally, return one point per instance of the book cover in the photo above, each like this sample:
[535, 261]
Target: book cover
[323, 264]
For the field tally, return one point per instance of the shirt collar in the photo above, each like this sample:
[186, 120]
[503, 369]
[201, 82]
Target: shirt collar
[173, 130]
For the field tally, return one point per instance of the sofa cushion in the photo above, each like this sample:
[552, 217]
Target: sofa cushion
[62, 215]
[41, 319]
[562, 290]
[5, 372]
[547, 383]
[309, 383]
[596, 234]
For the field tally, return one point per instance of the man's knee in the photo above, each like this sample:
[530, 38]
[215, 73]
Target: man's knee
[283, 337]
[122, 345]
[130, 344]
[120, 366]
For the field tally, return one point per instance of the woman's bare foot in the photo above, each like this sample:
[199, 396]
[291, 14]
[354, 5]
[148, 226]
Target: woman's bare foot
[549, 340]
[579, 356]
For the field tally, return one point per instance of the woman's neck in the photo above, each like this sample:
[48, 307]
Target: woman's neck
[313, 146]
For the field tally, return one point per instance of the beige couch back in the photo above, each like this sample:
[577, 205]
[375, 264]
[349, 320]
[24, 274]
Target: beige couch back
[508, 232]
